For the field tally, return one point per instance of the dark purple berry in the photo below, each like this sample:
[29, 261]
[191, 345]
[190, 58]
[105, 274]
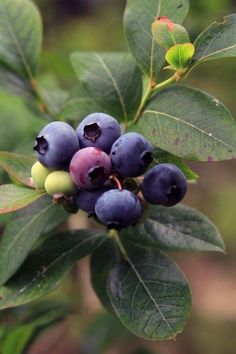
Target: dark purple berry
[98, 130]
[86, 199]
[131, 154]
[55, 145]
[90, 167]
[118, 208]
[164, 184]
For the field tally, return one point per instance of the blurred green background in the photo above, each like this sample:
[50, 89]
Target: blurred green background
[96, 25]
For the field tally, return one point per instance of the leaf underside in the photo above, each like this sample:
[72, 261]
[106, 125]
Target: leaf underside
[177, 228]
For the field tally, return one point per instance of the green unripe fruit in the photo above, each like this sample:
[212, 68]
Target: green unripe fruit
[60, 183]
[167, 33]
[179, 56]
[39, 174]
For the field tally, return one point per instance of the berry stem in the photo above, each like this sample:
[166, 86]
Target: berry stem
[113, 234]
[150, 90]
[42, 106]
[116, 180]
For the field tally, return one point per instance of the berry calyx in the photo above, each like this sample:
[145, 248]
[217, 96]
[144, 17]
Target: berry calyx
[90, 167]
[98, 130]
[55, 145]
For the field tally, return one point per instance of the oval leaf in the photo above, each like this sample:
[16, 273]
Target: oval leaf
[23, 231]
[138, 19]
[14, 197]
[20, 37]
[112, 80]
[17, 166]
[176, 229]
[45, 268]
[217, 41]
[190, 124]
[150, 295]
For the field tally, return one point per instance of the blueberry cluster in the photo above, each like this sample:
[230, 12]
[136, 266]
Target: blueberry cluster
[101, 169]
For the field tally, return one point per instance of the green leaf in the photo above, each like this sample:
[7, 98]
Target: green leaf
[14, 197]
[17, 166]
[45, 268]
[102, 261]
[112, 80]
[78, 108]
[176, 229]
[102, 334]
[138, 19]
[161, 156]
[217, 41]
[20, 37]
[150, 294]
[190, 124]
[22, 232]
[10, 82]
[179, 56]
[19, 337]
[54, 99]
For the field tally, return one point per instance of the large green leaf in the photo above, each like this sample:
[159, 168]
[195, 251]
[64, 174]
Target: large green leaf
[102, 261]
[150, 294]
[112, 79]
[190, 124]
[45, 268]
[17, 166]
[20, 37]
[139, 16]
[22, 232]
[176, 229]
[217, 41]
[14, 197]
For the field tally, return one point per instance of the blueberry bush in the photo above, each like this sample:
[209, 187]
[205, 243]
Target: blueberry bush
[116, 151]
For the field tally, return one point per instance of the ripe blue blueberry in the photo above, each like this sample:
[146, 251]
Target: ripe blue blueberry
[55, 145]
[90, 167]
[131, 154]
[165, 184]
[98, 130]
[86, 199]
[118, 208]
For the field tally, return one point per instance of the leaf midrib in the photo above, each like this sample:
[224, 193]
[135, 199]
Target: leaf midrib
[17, 43]
[57, 259]
[190, 125]
[185, 234]
[4, 254]
[149, 294]
[113, 80]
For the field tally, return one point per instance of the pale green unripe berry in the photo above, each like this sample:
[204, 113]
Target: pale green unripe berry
[167, 33]
[39, 174]
[60, 182]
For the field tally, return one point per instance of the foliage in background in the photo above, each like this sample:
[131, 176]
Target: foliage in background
[181, 133]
